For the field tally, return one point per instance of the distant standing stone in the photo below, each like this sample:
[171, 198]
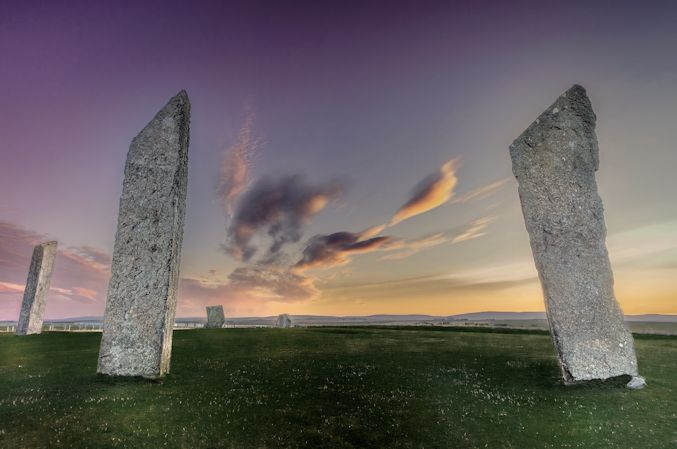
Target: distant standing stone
[554, 162]
[37, 286]
[283, 321]
[141, 305]
[215, 316]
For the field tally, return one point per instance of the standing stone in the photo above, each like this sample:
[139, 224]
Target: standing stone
[141, 305]
[215, 316]
[554, 162]
[37, 286]
[283, 321]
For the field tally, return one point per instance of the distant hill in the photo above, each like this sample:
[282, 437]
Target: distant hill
[481, 316]
[319, 320]
[653, 318]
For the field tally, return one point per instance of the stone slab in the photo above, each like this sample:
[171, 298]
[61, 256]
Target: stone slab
[555, 161]
[283, 321]
[37, 287]
[215, 317]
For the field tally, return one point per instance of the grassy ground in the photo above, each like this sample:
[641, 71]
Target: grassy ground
[334, 388]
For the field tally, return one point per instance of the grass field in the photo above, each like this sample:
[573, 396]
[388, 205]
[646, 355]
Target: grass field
[333, 388]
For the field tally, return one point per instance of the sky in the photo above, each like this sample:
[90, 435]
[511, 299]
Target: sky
[346, 158]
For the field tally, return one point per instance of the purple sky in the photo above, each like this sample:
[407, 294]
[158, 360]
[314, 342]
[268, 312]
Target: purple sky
[375, 95]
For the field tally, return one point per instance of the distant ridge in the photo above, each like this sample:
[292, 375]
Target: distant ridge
[384, 318]
[499, 316]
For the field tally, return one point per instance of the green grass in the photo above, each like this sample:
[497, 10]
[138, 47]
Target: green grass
[334, 388]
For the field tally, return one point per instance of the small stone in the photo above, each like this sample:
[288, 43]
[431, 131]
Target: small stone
[283, 321]
[636, 383]
[37, 286]
[215, 317]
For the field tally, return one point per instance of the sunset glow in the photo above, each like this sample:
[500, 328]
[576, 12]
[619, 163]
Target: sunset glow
[341, 162]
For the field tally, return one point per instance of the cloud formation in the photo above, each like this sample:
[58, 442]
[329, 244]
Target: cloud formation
[325, 251]
[432, 192]
[236, 165]
[481, 192]
[273, 283]
[278, 207]
[248, 290]
[409, 247]
[474, 230]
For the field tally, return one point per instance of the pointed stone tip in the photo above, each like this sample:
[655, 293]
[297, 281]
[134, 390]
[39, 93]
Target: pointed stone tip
[178, 105]
[575, 91]
[50, 243]
[180, 100]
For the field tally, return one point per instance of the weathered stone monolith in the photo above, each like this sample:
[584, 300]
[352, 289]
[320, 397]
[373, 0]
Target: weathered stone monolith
[141, 305]
[215, 316]
[554, 162]
[37, 286]
[283, 321]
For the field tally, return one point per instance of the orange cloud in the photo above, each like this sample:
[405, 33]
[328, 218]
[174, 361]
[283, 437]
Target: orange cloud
[372, 231]
[10, 288]
[432, 192]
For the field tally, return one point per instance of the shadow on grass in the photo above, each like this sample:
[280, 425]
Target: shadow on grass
[126, 380]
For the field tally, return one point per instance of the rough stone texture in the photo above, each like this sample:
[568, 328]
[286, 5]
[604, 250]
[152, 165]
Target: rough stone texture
[215, 316]
[283, 320]
[141, 305]
[37, 286]
[555, 161]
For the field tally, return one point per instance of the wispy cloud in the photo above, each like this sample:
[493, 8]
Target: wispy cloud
[409, 247]
[235, 170]
[248, 290]
[475, 229]
[481, 192]
[10, 288]
[325, 251]
[273, 283]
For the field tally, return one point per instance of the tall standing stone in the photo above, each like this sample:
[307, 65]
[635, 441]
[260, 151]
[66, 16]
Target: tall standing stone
[554, 162]
[37, 286]
[215, 316]
[141, 305]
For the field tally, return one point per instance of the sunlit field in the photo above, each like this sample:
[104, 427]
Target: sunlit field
[332, 388]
